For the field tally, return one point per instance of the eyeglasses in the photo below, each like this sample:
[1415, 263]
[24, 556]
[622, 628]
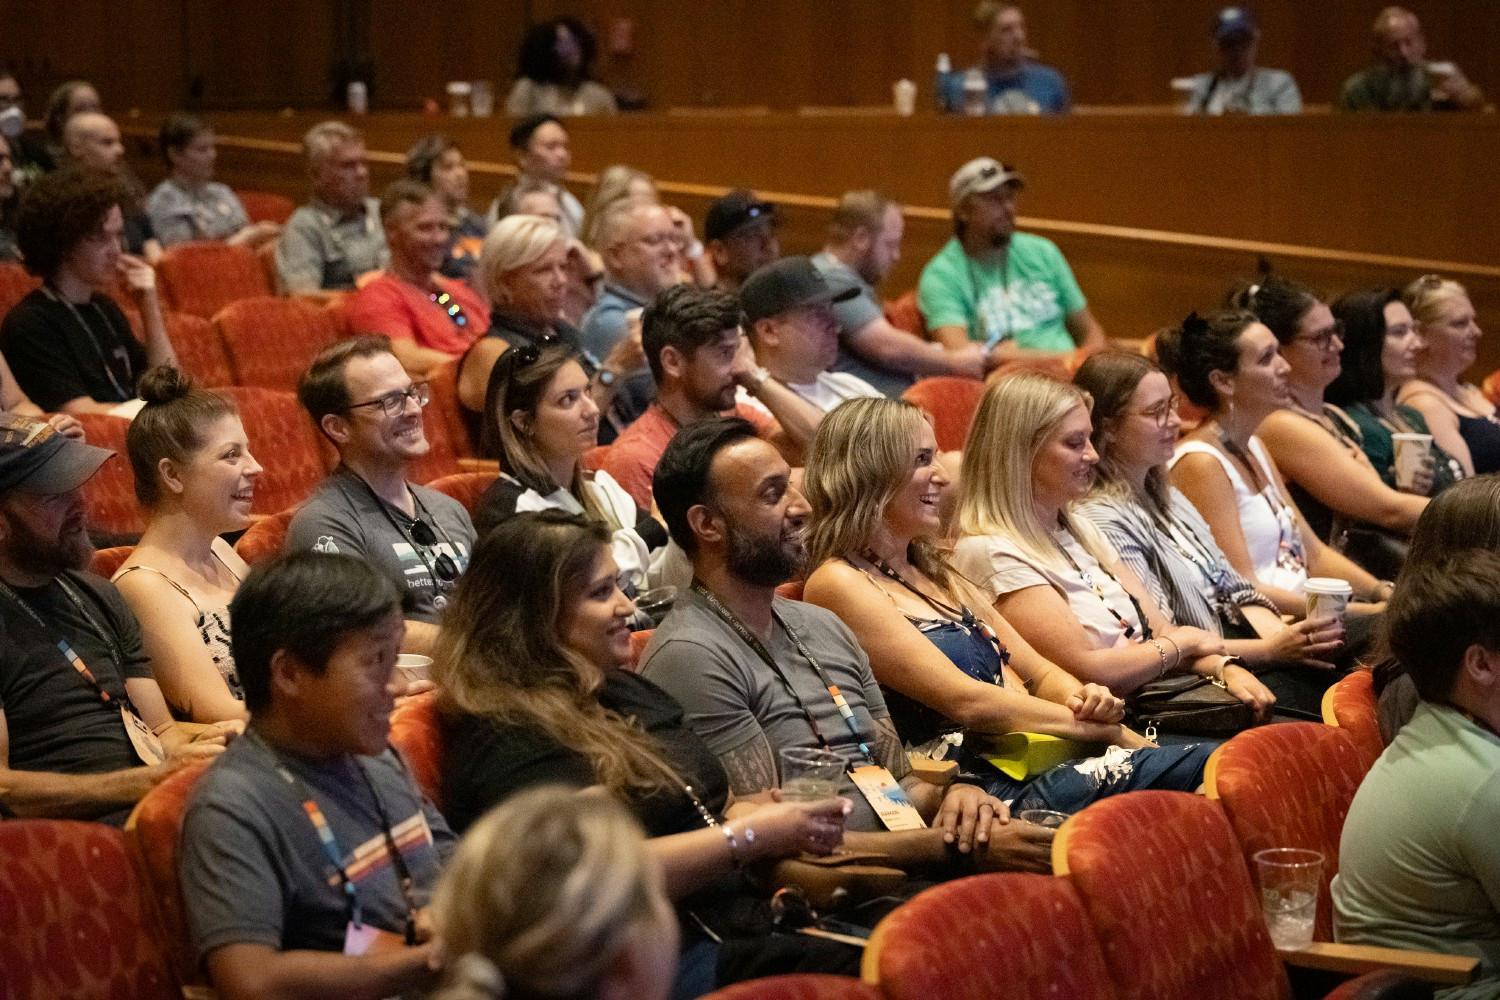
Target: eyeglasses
[1323, 339]
[393, 404]
[529, 352]
[445, 568]
[1162, 413]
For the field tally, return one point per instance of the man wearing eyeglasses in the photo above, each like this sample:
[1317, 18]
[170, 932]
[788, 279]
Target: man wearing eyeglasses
[1012, 292]
[363, 401]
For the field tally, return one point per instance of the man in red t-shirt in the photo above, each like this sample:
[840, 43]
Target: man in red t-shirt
[703, 367]
[429, 318]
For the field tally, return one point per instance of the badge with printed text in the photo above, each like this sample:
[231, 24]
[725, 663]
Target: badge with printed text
[147, 746]
[886, 796]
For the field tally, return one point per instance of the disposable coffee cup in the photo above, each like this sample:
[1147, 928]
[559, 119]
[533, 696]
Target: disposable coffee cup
[1411, 454]
[1327, 598]
[413, 667]
[904, 93]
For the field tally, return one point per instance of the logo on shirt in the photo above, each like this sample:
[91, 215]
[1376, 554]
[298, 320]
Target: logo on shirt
[326, 545]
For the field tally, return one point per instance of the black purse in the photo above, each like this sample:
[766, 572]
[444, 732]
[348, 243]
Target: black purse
[1188, 704]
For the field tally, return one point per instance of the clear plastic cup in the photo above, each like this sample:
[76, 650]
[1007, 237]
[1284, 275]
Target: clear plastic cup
[1290, 879]
[810, 775]
[1411, 453]
[1049, 818]
[655, 603]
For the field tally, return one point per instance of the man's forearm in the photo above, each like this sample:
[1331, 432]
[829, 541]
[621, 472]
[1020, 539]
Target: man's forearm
[421, 637]
[924, 848]
[882, 344]
[263, 974]
[798, 418]
[46, 795]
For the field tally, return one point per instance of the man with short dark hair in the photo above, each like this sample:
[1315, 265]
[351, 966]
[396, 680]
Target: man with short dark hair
[308, 852]
[758, 674]
[363, 401]
[430, 319]
[739, 236]
[864, 243]
[1013, 82]
[703, 367]
[92, 140]
[337, 236]
[1419, 862]
[539, 146]
[1010, 291]
[1402, 79]
[84, 729]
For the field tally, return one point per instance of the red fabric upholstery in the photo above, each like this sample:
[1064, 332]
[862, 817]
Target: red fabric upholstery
[1171, 903]
[1289, 785]
[109, 496]
[15, 284]
[72, 918]
[283, 440]
[204, 276]
[638, 642]
[271, 341]
[903, 314]
[443, 383]
[200, 351]
[805, 986]
[791, 590]
[152, 837]
[1009, 935]
[106, 561]
[951, 402]
[263, 539]
[263, 206]
[442, 457]
[465, 487]
[593, 459]
[415, 732]
[1351, 705]
[1491, 387]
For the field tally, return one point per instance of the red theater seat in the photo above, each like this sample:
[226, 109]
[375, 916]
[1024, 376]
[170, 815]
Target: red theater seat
[109, 496]
[415, 732]
[15, 284]
[805, 986]
[263, 206]
[271, 341]
[951, 402]
[106, 562]
[204, 276]
[265, 538]
[282, 439]
[1351, 705]
[465, 487]
[199, 348]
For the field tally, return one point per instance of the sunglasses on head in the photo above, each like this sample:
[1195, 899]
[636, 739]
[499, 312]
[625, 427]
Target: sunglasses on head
[529, 352]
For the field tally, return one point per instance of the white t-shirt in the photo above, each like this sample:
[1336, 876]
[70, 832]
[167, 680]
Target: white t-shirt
[832, 388]
[632, 557]
[999, 566]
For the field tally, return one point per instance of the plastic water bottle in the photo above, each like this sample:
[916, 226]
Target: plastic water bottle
[976, 93]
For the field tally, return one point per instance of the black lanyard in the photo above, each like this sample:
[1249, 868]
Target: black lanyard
[74, 660]
[439, 584]
[760, 650]
[1130, 630]
[960, 615]
[98, 347]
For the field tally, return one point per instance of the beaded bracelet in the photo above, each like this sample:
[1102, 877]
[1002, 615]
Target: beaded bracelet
[1161, 651]
[1176, 651]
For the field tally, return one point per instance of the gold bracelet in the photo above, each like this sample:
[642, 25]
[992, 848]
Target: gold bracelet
[1161, 651]
[1176, 651]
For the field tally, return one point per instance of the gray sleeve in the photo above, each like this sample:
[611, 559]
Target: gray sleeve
[602, 328]
[856, 314]
[1131, 549]
[713, 692]
[168, 221]
[1286, 99]
[326, 525]
[230, 884]
[299, 253]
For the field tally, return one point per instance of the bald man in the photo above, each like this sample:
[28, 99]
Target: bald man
[92, 140]
[1402, 79]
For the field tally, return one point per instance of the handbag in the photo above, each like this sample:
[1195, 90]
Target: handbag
[1189, 704]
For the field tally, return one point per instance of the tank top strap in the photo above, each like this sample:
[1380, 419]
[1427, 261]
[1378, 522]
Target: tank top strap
[175, 585]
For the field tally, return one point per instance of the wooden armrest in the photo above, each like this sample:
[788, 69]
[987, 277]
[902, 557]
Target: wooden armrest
[1357, 959]
[934, 772]
[479, 465]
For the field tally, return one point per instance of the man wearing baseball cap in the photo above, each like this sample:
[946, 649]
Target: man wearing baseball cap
[1239, 86]
[84, 729]
[1012, 292]
[739, 234]
[789, 316]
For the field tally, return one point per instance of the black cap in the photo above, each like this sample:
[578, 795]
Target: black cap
[735, 210]
[1234, 22]
[36, 458]
[787, 284]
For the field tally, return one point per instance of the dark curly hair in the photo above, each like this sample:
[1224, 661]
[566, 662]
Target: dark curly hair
[538, 56]
[1277, 301]
[61, 210]
[1201, 346]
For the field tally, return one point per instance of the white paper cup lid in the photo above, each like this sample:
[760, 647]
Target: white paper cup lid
[1329, 585]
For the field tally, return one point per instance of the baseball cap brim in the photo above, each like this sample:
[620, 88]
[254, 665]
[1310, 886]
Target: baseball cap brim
[69, 468]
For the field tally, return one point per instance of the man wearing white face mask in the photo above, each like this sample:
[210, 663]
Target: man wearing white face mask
[28, 152]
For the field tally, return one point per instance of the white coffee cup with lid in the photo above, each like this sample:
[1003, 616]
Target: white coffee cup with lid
[1327, 598]
[1411, 452]
[412, 667]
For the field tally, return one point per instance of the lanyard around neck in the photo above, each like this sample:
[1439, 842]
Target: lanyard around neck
[94, 340]
[65, 648]
[750, 639]
[438, 584]
[1140, 614]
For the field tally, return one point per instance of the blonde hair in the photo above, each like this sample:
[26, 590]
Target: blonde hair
[515, 242]
[1016, 417]
[542, 894]
[612, 188]
[860, 459]
[1429, 295]
[858, 210]
[323, 138]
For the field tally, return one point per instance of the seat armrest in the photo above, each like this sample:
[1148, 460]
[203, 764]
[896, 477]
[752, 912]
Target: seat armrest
[1357, 959]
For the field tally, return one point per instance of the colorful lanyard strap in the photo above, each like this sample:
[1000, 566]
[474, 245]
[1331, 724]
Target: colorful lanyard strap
[1130, 630]
[760, 650]
[66, 649]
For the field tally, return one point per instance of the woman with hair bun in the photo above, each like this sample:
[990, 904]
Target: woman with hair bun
[195, 477]
[555, 894]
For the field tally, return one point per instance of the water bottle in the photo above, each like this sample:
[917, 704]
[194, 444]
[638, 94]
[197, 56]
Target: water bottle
[976, 93]
[942, 72]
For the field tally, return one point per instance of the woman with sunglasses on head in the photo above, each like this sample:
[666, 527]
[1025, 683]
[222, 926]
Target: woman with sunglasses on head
[1168, 546]
[949, 664]
[1315, 444]
[1464, 423]
[534, 687]
[1381, 347]
[1028, 462]
[541, 421]
[1229, 365]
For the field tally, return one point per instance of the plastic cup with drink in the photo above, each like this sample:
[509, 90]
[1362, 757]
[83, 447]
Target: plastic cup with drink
[1290, 879]
[1412, 451]
[810, 775]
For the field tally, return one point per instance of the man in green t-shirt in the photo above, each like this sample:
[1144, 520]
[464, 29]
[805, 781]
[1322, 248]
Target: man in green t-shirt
[1012, 292]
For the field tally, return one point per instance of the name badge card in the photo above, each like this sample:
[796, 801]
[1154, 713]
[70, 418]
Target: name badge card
[886, 796]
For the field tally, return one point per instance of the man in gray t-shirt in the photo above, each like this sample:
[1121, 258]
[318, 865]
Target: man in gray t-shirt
[369, 407]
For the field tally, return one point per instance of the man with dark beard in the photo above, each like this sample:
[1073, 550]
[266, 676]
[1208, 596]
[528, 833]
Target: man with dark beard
[758, 674]
[84, 730]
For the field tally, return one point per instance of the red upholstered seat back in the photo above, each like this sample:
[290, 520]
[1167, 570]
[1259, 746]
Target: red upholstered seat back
[1289, 785]
[415, 732]
[903, 314]
[153, 836]
[263, 206]
[989, 936]
[264, 539]
[443, 383]
[465, 487]
[791, 590]
[638, 643]
[271, 341]
[15, 284]
[106, 561]
[202, 277]
[1351, 705]
[72, 918]
[295, 458]
[1170, 900]
[951, 402]
[805, 986]
[109, 495]
[200, 350]
[442, 457]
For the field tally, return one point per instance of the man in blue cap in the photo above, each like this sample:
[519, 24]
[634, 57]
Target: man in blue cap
[1239, 86]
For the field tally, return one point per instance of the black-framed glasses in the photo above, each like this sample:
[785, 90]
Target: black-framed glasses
[445, 568]
[1323, 339]
[393, 404]
[1162, 413]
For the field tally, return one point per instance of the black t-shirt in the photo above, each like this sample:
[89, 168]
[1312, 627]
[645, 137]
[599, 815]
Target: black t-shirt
[55, 718]
[59, 353]
[488, 761]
